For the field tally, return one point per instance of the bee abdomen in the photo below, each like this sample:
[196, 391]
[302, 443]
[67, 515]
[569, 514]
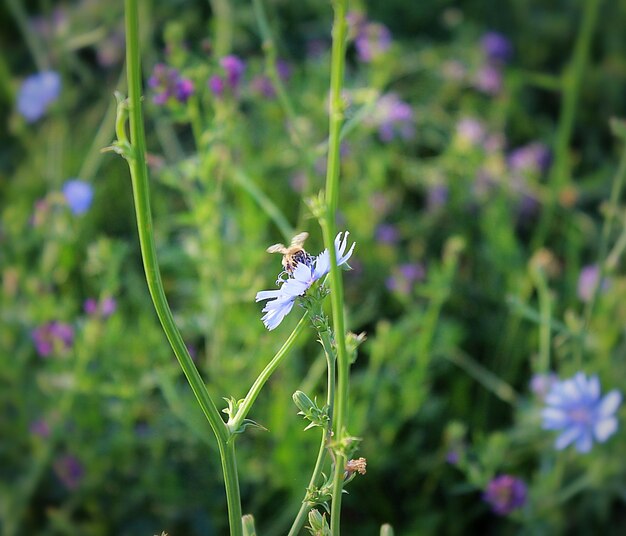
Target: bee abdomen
[298, 257]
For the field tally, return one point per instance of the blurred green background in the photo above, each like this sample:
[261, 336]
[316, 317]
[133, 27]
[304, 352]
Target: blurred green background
[475, 180]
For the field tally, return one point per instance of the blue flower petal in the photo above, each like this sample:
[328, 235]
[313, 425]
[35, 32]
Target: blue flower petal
[567, 437]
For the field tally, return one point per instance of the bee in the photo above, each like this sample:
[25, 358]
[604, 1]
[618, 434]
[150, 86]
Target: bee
[293, 254]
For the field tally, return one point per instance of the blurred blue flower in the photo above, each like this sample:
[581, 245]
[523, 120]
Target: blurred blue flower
[301, 279]
[575, 407]
[505, 493]
[79, 195]
[37, 93]
[496, 47]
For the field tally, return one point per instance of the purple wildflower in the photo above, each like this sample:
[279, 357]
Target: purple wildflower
[284, 70]
[53, 337]
[489, 79]
[387, 233]
[169, 84]
[263, 86]
[496, 47]
[470, 131]
[532, 158]
[234, 68]
[576, 408]
[372, 41]
[405, 277]
[78, 195]
[393, 117]
[436, 196]
[105, 307]
[216, 85]
[40, 428]
[588, 281]
[505, 493]
[90, 306]
[37, 93]
[69, 470]
[281, 300]
[540, 384]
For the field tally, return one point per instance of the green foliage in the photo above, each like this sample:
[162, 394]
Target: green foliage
[465, 278]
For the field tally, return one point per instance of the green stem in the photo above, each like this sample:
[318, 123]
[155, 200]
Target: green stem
[560, 175]
[231, 483]
[258, 384]
[339, 34]
[35, 46]
[616, 192]
[223, 17]
[139, 175]
[545, 324]
[303, 512]
[269, 47]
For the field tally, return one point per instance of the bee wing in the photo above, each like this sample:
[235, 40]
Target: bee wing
[299, 239]
[277, 248]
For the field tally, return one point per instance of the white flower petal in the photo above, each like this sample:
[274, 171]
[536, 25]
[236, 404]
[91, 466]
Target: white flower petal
[554, 418]
[322, 265]
[605, 429]
[268, 294]
[610, 403]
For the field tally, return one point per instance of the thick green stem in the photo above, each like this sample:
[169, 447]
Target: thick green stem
[231, 483]
[258, 384]
[339, 34]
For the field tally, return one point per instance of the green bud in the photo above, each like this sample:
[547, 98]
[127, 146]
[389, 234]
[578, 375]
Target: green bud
[310, 411]
[318, 526]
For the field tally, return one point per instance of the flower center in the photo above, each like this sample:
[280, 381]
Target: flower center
[580, 415]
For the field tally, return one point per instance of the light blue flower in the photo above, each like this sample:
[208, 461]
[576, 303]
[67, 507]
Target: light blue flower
[37, 93]
[575, 407]
[79, 195]
[301, 279]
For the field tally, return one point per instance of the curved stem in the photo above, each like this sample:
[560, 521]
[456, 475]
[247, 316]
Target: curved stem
[340, 30]
[139, 176]
[258, 384]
